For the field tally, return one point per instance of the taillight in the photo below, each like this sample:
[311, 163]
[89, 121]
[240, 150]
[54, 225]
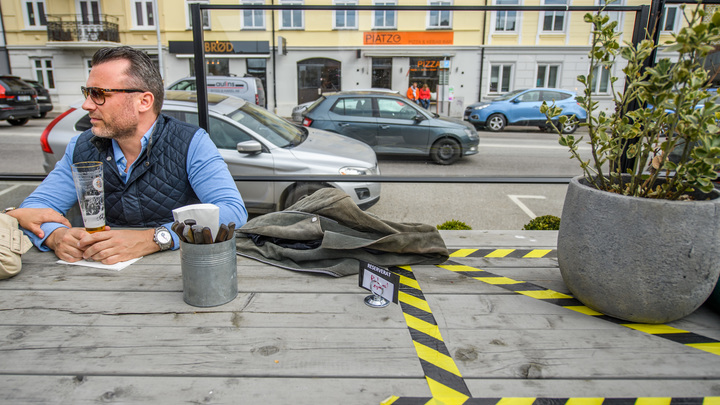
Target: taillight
[44, 137]
[257, 99]
[307, 122]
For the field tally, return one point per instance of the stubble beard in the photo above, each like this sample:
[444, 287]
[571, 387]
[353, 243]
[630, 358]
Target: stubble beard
[122, 126]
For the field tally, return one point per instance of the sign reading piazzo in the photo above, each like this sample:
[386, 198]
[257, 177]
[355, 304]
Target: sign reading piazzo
[408, 38]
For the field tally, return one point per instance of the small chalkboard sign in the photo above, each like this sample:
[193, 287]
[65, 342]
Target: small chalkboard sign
[380, 281]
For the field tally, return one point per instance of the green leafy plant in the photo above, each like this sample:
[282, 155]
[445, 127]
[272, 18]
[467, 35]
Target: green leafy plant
[682, 140]
[543, 223]
[454, 225]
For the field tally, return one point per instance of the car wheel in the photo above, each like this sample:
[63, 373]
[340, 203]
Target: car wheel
[570, 125]
[19, 121]
[446, 151]
[496, 123]
[300, 191]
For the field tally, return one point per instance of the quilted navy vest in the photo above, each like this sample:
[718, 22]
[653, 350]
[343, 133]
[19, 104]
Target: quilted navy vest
[159, 180]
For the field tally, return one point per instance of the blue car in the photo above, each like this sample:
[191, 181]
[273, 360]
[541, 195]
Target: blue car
[522, 107]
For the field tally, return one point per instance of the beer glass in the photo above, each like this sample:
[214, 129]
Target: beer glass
[88, 177]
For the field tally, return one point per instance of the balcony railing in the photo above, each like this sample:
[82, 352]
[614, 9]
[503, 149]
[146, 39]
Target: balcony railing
[79, 28]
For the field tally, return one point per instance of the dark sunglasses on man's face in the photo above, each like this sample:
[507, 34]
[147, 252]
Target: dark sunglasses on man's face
[97, 95]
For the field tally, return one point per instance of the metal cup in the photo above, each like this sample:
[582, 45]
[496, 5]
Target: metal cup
[89, 185]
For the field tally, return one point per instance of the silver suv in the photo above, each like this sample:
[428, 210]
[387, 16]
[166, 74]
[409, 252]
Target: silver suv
[247, 88]
[253, 142]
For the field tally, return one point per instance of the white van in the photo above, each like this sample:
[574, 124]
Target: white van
[248, 88]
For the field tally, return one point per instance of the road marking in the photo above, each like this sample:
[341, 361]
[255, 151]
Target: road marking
[9, 189]
[525, 146]
[516, 200]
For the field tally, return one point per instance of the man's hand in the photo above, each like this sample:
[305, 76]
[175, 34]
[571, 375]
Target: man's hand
[110, 247]
[65, 243]
[32, 218]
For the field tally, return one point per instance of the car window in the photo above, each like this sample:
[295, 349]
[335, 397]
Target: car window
[271, 127]
[530, 96]
[223, 135]
[508, 96]
[184, 85]
[354, 106]
[13, 83]
[555, 96]
[395, 108]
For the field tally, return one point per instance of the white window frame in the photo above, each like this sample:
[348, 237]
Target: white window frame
[614, 15]
[144, 4]
[257, 16]
[438, 15]
[345, 13]
[292, 14]
[205, 14]
[385, 14]
[504, 14]
[675, 22]
[554, 14]
[47, 73]
[504, 68]
[38, 12]
[546, 76]
[604, 77]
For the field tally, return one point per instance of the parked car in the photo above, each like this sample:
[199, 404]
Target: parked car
[18, 100]
[248, 88]
[253, 141]
[522, 107]
[392, 124]
[43, 98]
[298, 111]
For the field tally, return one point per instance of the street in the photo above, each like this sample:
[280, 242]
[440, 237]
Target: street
[518, 152]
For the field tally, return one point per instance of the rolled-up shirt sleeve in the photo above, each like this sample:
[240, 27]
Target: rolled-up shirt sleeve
[211, 180]
[57, 191]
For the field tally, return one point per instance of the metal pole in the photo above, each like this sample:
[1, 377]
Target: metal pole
[159, 39]
[200, 76]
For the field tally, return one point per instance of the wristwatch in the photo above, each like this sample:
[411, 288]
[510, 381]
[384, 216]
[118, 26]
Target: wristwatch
[8, 209]
[163, 238]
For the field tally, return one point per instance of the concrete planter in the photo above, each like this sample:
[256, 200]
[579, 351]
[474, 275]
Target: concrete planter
[637, 259]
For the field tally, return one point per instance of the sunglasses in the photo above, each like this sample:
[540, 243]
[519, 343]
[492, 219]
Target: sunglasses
[97, 95]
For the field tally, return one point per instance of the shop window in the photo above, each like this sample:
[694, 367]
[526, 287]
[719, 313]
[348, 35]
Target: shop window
[500, 77]
[382, 73]
[506, 21]
[425, 71]
[214, 67]
[547, 76]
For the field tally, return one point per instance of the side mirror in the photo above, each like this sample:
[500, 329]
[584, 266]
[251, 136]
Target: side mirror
[249, 147]
[419, 117]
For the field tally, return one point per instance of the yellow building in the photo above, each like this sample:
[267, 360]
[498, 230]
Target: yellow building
[465, 53]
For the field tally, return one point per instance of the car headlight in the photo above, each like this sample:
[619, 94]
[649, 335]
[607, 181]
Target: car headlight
[472, 134]
[355, 171]
[480, 107]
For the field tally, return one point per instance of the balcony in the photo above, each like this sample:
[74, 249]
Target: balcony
[72, 28]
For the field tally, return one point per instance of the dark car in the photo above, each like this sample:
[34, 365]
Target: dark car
[393, 125]
[43, 98]
[522, 107]
[18, 100]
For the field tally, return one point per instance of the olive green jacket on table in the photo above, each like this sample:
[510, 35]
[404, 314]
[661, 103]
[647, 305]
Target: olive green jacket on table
[328, 233]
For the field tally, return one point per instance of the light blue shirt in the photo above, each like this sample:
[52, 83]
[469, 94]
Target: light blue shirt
[207, 172]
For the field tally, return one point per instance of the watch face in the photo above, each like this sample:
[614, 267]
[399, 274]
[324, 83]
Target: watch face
[164, 237]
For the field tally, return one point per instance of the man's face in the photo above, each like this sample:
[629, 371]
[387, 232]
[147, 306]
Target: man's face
[118, 117]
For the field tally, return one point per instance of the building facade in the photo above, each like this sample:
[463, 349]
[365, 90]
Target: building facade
[463, 56]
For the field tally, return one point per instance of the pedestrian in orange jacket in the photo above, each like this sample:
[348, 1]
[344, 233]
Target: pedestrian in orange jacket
[413, 93]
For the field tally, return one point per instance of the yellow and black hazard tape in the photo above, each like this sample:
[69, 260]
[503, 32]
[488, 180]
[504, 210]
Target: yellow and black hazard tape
[684, 337]
[441, 372]
[555, 401]
[509, 253]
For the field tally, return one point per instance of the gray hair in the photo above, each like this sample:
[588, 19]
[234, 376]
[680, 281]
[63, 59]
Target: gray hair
[143, 73]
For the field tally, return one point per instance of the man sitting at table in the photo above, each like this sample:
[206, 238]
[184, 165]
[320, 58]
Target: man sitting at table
[152, 164]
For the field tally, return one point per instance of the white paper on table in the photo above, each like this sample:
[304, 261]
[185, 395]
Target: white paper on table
[98, 265]
[206, 215]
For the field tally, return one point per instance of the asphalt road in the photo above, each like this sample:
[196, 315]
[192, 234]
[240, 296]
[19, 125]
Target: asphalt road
[518, 152]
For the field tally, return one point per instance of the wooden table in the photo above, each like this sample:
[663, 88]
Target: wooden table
[75, 335]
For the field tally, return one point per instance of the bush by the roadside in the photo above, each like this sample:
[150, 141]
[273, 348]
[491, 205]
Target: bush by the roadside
[454, 225]
[543, 223]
